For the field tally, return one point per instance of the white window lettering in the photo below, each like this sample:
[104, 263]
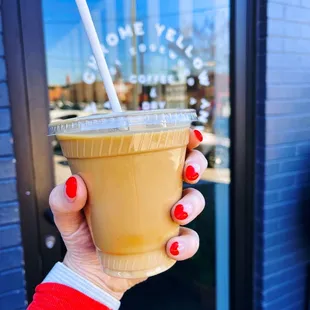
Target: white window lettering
[188, 51]
[125, 32]
[112, 39]
[170, 34]
[92, 63]
[172, 55]
[203, 78]
[138, 27]
[162, 104]
[163, 79]
[153, 47]
[154, 105]
[179, 42]
[204, 103]
[89, 77]
[104, 50]
[198, 63]
[145, 105]
[141, 79]
[170, 79]
[155, 78]
[142, 48]
[159, 29]
[133, 79]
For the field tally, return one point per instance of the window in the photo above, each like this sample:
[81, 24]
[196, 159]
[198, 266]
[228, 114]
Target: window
[161, 54]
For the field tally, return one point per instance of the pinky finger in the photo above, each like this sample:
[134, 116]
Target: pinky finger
[183, 246]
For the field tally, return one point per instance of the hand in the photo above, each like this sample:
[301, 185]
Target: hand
[81, 254]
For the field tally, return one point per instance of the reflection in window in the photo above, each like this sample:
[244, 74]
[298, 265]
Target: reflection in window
[161, 54]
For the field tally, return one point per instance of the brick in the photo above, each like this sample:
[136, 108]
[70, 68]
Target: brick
[281, 250]
[283, 237]
[285, 92]
[289, 2]
[281, 223]
[303, 148]
[286, 123]
[279, 209]
[278, 107]
[2, 70]
[282, 276]
[11, 280]
[296, 45]
[287, 299]
[271, 197]
[283, 61]
[7, 167]
[279, 182]
[8, 190]
[275, 10]
[284, 262]
[5, 120]
[288, 76]
[6, 144]
[11, 258]
[9, 213]
[294, 192]
[275, 27]
[10, 236]
[282, 289]
[305, 31]
[297, 14]
[305, 3]
[279, 152]
[294, 165]
[1, 46]
[275, 44]
[287, 137]
[13, 300]
[4, 95]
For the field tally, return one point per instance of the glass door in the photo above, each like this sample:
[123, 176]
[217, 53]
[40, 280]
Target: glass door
[161, 54]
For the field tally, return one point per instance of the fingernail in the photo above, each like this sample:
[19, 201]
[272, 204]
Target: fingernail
[198, 135]
[192, 172]
[181, 212]
[174, 248]
[71, 187]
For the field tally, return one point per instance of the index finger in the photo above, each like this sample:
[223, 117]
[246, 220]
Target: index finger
[195, 137]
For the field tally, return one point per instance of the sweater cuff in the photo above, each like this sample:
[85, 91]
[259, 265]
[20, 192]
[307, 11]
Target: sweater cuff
[63, 275]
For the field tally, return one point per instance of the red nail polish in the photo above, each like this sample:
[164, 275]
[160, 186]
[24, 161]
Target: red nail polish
[174, 248]
[179, 212]
[71, 187]
[198, 135]
[191, 173]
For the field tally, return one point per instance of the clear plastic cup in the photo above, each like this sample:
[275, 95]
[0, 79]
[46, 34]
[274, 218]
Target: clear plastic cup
[132, 165]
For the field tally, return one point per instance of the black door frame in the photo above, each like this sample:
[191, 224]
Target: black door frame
[26, 77]
[25, 57]
[243, 133]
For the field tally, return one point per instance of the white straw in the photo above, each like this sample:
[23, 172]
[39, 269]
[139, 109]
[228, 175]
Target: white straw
[98, 53]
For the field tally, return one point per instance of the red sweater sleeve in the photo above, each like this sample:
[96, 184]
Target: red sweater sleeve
[54, 296]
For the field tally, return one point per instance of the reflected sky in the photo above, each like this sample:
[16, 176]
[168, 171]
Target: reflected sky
[201, 24]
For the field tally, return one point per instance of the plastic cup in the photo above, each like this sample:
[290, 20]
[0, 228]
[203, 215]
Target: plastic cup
[132, 165]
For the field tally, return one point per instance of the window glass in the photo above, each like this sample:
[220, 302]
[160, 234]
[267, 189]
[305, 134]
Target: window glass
[161, 54]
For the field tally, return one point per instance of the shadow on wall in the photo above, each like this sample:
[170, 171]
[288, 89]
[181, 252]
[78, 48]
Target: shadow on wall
[303, 204]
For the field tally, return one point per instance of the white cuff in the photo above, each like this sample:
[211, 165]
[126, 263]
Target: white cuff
[63, 275]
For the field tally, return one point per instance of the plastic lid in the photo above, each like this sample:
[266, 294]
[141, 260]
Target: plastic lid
[124, 121]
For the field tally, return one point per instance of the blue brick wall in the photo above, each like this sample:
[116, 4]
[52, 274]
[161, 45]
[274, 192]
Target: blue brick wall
[282, 249]
[12, 283]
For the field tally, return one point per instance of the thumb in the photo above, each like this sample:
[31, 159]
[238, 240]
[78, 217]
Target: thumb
[66, 202]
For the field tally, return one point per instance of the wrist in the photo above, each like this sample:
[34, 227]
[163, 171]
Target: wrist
[96, 276]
